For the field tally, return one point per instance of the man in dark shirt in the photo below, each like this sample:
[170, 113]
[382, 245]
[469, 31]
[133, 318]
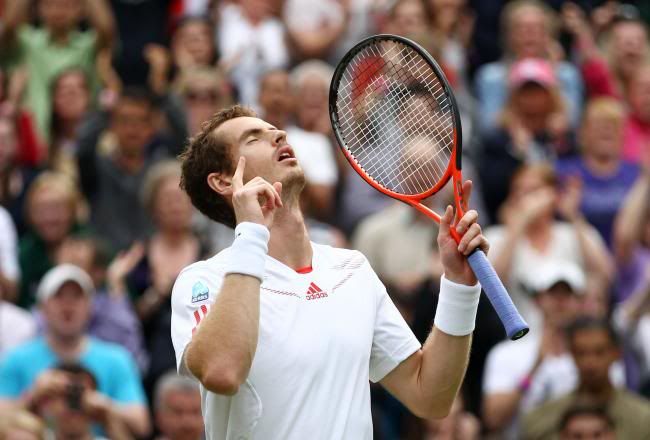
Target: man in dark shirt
[112, 181]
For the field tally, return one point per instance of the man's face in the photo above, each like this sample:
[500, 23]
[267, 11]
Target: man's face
[265, 150]
[67, 311]
[593, 352]
[313, 101]
[132, 123]
[629, 46]
[409, 18]
[558, 304]
[172, 208]
[275, 94]
[587, 427]
[256, 10]
[528, 33]
[60, 15]
[179, 417]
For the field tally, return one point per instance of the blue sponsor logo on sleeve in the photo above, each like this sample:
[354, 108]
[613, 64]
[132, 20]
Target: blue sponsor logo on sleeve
[200, 292]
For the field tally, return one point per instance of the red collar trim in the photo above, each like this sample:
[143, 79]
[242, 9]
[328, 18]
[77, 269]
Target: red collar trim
[306, 269]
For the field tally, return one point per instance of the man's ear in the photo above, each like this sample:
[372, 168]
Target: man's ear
[220, 183]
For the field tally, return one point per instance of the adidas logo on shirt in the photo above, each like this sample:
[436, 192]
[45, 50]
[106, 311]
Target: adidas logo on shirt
[314, 292]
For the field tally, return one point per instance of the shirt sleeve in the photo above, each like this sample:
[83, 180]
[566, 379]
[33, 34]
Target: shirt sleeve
[393, 341]
[194, 292]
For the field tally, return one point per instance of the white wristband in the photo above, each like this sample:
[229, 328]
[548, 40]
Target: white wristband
[457, 305]
[248, 251]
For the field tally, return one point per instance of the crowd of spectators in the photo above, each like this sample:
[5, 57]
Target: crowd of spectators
[98, 98]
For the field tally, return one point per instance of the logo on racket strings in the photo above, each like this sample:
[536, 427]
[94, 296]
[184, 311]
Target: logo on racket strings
[315, 292]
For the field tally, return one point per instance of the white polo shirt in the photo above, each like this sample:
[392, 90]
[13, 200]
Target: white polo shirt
[322, 336]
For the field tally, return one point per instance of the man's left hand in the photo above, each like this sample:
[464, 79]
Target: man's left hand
[454, 255]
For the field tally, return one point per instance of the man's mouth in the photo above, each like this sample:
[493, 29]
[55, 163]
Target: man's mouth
[285, 153]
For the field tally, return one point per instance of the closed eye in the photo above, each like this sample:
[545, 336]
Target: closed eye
[250, 141]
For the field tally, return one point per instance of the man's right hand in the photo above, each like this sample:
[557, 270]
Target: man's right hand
[255, 201]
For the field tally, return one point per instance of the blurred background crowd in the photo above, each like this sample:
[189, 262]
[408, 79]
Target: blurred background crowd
[98, 97]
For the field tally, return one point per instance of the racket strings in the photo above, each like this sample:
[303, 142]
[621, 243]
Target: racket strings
[395, 118]
[413, 127]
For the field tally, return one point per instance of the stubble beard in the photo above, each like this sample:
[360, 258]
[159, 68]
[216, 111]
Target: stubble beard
[293, 185]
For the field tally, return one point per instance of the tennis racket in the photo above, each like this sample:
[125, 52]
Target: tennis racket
[397, 122]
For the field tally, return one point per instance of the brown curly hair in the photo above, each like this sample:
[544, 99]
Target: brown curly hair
[207, 153]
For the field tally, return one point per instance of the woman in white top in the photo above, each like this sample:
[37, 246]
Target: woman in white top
[530, 235]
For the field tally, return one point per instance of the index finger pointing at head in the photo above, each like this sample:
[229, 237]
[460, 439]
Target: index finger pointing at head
[238, 177]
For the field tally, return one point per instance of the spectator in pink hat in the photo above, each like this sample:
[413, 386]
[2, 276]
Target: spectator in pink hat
[533, 127]
[528, 31]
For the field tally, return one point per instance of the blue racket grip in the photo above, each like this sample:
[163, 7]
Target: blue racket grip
[514, 324]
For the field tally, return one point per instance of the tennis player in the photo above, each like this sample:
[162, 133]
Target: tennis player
[284, 334]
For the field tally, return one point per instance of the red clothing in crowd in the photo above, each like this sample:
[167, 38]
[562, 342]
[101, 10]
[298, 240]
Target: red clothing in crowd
[636, 139]
[598, 78]
[30, 151]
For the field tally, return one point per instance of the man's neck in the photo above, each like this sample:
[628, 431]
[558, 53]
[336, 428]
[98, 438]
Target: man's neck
[555, 338]
[130, 163]
[66, 348]
[600, 395]
[172, 237]
[289, 241]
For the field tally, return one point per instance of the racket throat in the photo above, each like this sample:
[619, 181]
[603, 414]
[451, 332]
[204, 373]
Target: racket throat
[424, 209]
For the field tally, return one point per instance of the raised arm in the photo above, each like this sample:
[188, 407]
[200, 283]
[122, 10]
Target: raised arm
[16, 13]
[598, 264]
[629, 221]
[594, 252]
[221, 352]
[101, 18]
[88, 138]
[428, 381]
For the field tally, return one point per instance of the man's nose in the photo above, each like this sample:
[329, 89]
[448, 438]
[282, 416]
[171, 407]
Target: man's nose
[280, 137]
